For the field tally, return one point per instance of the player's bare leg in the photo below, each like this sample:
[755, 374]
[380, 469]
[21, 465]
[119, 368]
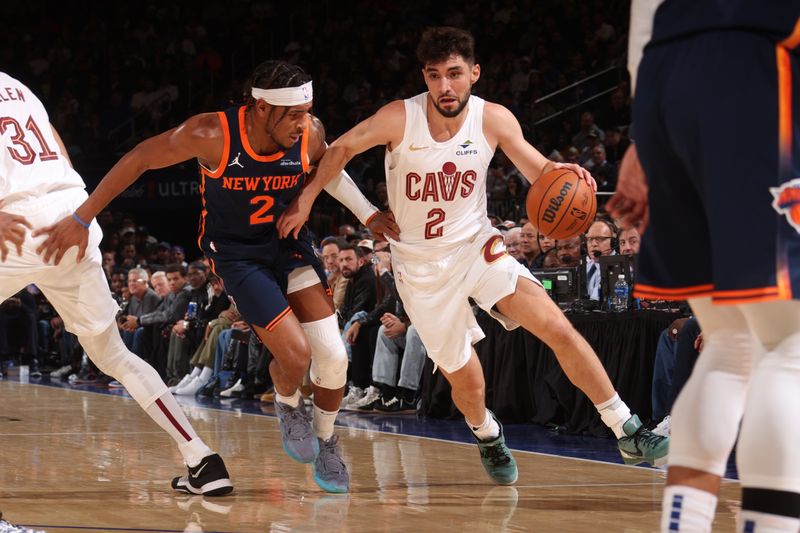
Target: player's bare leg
[531, 307]
[469, 395]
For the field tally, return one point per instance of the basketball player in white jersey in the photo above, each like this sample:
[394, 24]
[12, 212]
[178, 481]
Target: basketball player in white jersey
[439, 145]
[38, 186]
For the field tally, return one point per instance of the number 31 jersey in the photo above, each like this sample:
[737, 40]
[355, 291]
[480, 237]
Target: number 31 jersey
[437, 190]
[244, 197]
[31, 162]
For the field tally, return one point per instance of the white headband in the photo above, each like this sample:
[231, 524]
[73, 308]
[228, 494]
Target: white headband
[287, 96]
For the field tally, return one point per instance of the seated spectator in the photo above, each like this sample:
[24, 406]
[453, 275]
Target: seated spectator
[330, 259]
[513, 241]
[599, 242]
[159, 283]
[151, 344]
[397, 342]
[184, 337]
[603, 172]
[143, 300]
[211, 320]
[550, 259]
[359, 299]
[629, 241]
[569, 251]
[178, 255]
[529, 245]
[588, 134]
[545, 242]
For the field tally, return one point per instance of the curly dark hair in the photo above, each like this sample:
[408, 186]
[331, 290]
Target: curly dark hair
[439, 43]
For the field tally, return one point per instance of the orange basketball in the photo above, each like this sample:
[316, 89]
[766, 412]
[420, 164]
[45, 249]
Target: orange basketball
[560, 204]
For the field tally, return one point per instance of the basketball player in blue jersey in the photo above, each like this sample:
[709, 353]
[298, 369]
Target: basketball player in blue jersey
[438, 148]
[253, 160]
[723, 233]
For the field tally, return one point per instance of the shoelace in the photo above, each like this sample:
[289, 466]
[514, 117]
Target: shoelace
[393, 401]
[297, 423]
[496, 454]
[330, 459]
[647, 438]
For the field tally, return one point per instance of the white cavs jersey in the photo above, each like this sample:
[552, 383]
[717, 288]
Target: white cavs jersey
[31, 163]
[437, 190]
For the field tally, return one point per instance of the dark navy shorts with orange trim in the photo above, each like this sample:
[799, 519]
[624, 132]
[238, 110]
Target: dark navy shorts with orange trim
[256, 276]
[718, 143]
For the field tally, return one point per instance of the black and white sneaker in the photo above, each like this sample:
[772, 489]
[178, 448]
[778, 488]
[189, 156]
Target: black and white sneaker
[396, 404]
[209, 478]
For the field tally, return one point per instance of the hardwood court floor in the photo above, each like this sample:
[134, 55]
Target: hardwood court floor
[78, 461]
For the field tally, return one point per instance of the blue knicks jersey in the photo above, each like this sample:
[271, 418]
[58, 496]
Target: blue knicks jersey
[244, 197]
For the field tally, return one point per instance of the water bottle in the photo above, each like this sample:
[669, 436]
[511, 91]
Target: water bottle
[24, 373]
[620, 300]
[191, 311]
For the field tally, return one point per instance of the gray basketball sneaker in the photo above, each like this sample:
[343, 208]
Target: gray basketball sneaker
[298, 438]
[330, 472]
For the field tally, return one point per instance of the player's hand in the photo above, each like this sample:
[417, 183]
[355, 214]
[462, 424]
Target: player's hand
[629, 203]
[295, 216]
[12, 229]
[62, 236]
[382, 224]
[582, 173]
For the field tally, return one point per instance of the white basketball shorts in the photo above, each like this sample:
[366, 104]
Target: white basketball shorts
[77, 291]
[435, 294]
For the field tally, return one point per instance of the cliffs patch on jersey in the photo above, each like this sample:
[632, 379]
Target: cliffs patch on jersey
[786, 201]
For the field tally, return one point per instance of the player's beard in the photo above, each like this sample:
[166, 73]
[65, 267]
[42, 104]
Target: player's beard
[457, 111]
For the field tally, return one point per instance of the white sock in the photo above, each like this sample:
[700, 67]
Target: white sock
[291, 401]
[205, 375]
[486, 430]
[166, 412]
[323, 422]
[754, 522]
[195, 372]
[614, 413]
[687, 509]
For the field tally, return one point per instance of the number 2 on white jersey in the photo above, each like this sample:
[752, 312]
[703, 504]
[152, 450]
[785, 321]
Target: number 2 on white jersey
[435, 218]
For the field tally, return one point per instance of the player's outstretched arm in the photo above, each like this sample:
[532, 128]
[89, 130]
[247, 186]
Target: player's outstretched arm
[384, 127]
[502, 126]
[200, 136]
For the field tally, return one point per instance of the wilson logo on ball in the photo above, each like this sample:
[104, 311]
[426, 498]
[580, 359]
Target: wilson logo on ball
[555, 203]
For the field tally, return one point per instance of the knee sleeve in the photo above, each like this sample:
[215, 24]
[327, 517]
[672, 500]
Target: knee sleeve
[109, 353]
[767, 453]
[706, 415]
[328, 355]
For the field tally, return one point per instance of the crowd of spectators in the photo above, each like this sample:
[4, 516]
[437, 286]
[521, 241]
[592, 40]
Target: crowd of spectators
[113, 74]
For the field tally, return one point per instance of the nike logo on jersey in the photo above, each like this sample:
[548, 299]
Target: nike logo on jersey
[415, 148]
[236, 161]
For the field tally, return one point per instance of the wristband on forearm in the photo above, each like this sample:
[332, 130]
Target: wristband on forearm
[80, 221]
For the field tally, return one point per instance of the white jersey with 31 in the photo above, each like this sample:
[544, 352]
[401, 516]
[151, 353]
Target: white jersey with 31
[31, 162]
